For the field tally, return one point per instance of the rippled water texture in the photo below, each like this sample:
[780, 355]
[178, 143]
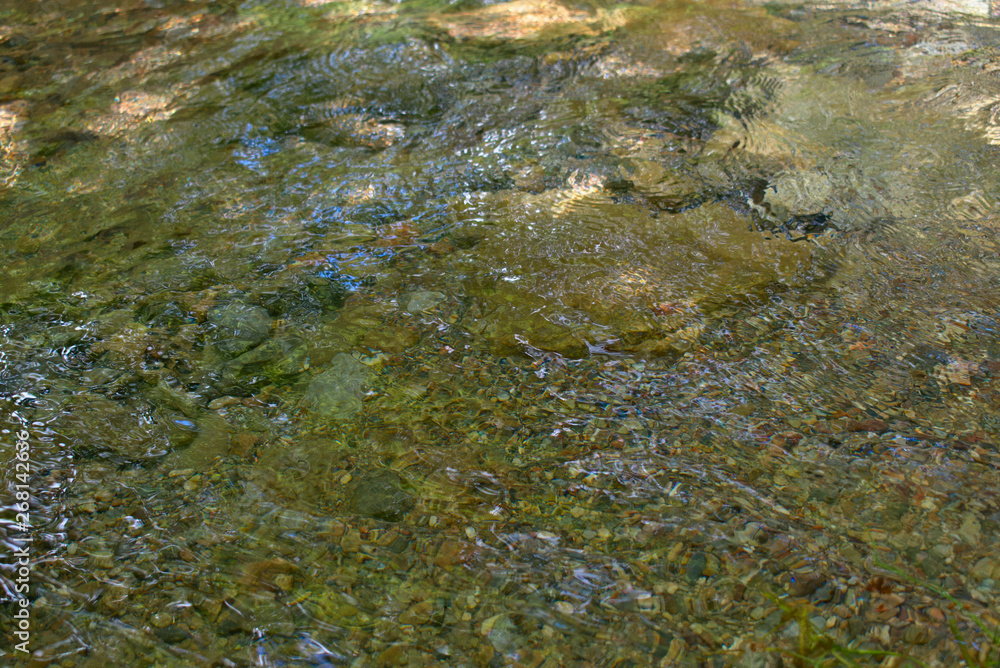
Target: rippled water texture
[499, 334]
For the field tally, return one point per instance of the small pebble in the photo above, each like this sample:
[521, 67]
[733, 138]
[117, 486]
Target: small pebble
[564, 607]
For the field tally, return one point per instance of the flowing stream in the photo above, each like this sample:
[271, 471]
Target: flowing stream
[477, 333]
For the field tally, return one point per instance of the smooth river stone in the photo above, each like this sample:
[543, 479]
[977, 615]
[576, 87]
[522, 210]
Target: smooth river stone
[336, 393]
[239, 327]
[424, 300]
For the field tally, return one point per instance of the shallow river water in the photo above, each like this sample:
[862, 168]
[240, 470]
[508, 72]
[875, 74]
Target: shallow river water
[499, 334]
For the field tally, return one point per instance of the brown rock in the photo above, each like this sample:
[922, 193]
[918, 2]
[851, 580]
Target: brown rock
[883, 611]
[262, 573]
[392, 655]
[242, 444]
[779, 546]
[936, 614]
[351, 542]
[916, 635]
[984, 568]
[418, 613]
[454, 553]
[739, 589]
[786, 439]
[975, 438]
[334, 530]
[441, 247]
[821, 427]
[805, 584]
[873, 424]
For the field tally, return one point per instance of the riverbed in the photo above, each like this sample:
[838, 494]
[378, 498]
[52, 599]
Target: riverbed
[499, 334]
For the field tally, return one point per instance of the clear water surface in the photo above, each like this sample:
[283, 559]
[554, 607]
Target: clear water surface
[499, 334]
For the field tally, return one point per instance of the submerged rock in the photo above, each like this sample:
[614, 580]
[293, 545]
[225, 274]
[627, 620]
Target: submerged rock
[276, 360]
[575, 271]
[239, 327]
[336, 393]
[378, 494]
[127, 348]
[164, 395]
[510, 327]
[304, 474]
[392, 339]
[94, 426]
[423, 300]
[167, 315]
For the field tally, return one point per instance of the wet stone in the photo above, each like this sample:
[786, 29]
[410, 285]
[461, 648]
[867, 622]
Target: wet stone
[284, 582]
[771, 621]
[696, 566]
[329, 294]
[276, 360]
[390, 339]
[230, 623]
[916, 635]
[624, 234]
[971, 529]
[110, 323]
[804, 584]
[509, 330]
[424, 300]
[791, 631]
[824, 594]
[172, 635]
[984, 568]
[164, 315]
[176, 399]
[418, 613]
[99, 376]
[239, 327]
[378, 494]
[161, 620]
[375, 214]
[335, 394]
[501, 632]
[139, 434]
[874, 425]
